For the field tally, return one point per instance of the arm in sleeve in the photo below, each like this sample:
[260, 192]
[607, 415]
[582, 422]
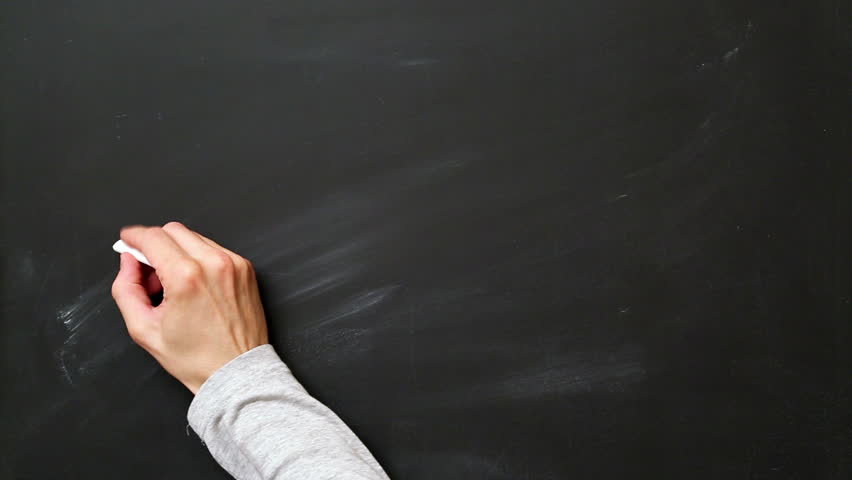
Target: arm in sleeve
[259, 423]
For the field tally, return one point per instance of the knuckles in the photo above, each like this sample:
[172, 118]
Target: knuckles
[173, 225]
[146, 232]
[188, 273]
[219, 262]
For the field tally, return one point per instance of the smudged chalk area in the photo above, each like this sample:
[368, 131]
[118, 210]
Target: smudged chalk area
[94, 333]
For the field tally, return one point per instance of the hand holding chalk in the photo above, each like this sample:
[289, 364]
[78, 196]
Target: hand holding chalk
[122, 247]
[211, 311]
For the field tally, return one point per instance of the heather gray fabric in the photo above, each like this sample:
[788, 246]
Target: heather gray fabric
[259, 423]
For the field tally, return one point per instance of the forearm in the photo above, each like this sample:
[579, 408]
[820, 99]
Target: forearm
[259, 423]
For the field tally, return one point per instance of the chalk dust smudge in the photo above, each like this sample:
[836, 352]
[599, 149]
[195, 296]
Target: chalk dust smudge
[90, 338]
[322, 337]
[357, 305]
[576, 373]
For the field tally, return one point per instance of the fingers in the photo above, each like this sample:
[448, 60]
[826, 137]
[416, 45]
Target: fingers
[156, 244]
[188, 240]
[171, 246]
[215, 260]
[237, 259]
[213, 244]
[132, 299]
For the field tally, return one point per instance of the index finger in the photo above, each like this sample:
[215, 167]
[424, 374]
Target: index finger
[156, 244]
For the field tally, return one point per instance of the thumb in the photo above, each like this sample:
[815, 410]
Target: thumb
[129, 293]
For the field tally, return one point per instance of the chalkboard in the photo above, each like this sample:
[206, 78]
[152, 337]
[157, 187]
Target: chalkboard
[502, 240]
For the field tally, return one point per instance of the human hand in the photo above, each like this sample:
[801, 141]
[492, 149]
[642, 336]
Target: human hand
[210, 313]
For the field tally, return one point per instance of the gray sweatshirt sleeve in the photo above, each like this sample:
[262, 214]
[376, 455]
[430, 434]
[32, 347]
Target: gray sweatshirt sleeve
[259, 423]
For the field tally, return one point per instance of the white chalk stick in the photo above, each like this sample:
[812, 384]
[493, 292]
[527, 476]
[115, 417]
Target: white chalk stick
[122, 247]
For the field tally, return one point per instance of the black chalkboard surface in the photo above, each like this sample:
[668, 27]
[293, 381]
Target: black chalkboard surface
[502, 240]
